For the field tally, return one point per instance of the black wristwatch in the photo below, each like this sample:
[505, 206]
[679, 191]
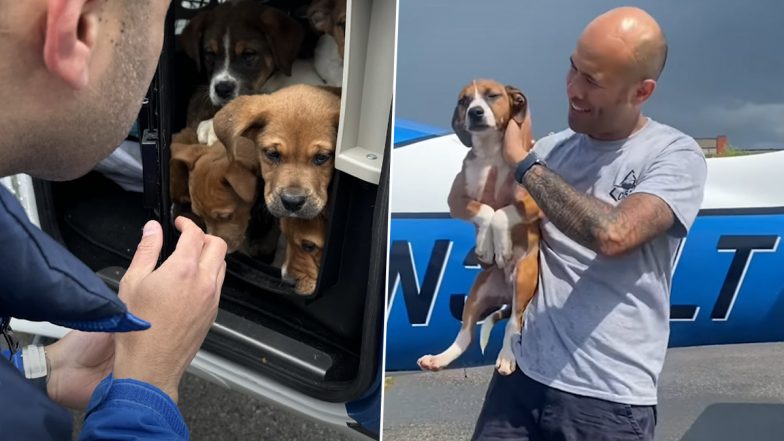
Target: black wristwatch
[524, 165]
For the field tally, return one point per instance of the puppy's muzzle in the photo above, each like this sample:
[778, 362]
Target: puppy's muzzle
[296, 202]
[293, 199]
[476, 118]
[226, 90]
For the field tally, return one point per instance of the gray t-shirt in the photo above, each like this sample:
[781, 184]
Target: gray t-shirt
[598, 326]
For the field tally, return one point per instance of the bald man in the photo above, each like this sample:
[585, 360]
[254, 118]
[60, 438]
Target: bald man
[619, 191]
[73, 75]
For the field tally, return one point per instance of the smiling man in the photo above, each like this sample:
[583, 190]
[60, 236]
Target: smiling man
[618, 191]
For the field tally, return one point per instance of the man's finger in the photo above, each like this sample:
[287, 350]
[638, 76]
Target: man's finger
[191, 239]
[514, 151]
[213, 255]
[147, 252]
[221, 277]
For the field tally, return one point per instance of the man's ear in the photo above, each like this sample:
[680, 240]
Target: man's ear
[644, 90]
[69, 41]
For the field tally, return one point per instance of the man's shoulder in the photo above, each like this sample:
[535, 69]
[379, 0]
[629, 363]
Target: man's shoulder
[546, 144]
[672, 138]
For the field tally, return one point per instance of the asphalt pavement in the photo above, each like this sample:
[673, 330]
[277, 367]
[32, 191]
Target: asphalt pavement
[712, 393]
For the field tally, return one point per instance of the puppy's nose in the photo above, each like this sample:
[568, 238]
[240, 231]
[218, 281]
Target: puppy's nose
[292, 200]
[225, 89]
[476, 112]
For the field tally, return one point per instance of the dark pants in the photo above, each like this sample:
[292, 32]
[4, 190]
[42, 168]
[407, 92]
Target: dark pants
[517, 407]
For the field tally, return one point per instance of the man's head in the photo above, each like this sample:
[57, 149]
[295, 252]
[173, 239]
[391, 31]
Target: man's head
[613, 71]
[74, 73]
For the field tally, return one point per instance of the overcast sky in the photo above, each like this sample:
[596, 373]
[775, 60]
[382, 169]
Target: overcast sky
[724, 75]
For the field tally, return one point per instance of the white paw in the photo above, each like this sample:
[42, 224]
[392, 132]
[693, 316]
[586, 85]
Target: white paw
[431, 363]
[506, 362]
[206, 133]
[484, 235]
[484, 245]
[502, 238]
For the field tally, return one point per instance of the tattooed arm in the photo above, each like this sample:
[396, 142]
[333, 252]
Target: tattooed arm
[607, 230]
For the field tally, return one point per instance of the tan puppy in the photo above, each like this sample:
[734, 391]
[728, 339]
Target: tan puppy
[294, 131]
[505, 215]
[304, 245]
[221, 192]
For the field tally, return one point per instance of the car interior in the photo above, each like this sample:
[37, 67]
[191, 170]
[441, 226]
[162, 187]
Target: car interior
[325, 344]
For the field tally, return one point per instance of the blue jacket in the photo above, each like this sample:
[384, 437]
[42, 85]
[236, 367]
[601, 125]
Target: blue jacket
[41, 281]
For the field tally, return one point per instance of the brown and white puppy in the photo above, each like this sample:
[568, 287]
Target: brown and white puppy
[304, 246]
[505, 216]
[241, 45]
[221, 192]
[294, 131]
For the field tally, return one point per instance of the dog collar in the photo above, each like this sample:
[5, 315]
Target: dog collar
[526, 164]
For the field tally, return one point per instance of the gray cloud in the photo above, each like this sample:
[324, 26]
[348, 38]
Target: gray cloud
[723, 76]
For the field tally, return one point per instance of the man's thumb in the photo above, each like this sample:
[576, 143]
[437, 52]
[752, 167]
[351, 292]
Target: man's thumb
[147, 252]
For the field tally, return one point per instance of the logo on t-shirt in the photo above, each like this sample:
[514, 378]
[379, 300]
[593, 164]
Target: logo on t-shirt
[626, 186]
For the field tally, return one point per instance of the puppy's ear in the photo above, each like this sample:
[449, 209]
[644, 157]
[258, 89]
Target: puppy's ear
[183, 159]
[458, 125]
[237, 124]
[242, 180]
[320, 15]
[188, 154]
[284, 35]
[519, 104]
[191, 36]
[522, 116]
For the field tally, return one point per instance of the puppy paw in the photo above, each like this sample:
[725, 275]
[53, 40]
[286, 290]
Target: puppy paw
[502, 223]
[506, 363]
[484, 246]
[502, 244]
[484, 235]
[206, 133]
[430, 363]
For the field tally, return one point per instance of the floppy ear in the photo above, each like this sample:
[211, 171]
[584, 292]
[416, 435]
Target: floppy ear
[183, 159]
[522, 116]
[285, 37]
[242, 180]
[237, 124]
[191, 36]
[458, 125]
[519, 104]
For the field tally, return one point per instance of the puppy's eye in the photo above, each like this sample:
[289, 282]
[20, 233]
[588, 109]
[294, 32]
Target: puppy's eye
[225, 216]
[209, 53]
[272, 155]
[494, 95]
[320, 159]
[249, 55]
[308, 246]
[463, 100]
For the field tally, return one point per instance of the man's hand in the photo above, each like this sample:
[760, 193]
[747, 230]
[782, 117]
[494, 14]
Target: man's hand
[179, 299]
[517, 143]
[77, 363]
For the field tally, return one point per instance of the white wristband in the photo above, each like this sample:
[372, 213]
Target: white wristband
[34, 359]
